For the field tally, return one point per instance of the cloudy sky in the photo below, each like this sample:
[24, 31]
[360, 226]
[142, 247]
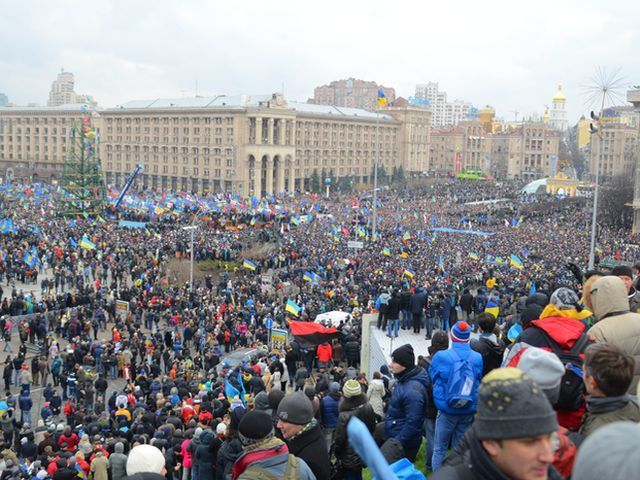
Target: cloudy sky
[500, 53]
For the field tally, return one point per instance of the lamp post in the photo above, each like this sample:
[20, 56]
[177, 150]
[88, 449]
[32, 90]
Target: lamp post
[595, 128]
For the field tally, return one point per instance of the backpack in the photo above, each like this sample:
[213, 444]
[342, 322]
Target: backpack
[571, 386]
[256, 473]
[479, 304]
[459, 389]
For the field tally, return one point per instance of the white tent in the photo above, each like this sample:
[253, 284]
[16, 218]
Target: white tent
[333, 318]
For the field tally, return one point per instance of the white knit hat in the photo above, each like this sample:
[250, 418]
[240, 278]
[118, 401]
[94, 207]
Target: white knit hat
[145, 458]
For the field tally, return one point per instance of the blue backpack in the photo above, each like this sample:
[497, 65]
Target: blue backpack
[459, 389]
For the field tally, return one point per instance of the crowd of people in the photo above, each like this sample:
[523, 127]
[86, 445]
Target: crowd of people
[116, 366]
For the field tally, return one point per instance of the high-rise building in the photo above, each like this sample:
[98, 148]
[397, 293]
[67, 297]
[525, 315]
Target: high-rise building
[4, 100]
[558, 112]
[63, 93]
[443, 112]
[352, 93]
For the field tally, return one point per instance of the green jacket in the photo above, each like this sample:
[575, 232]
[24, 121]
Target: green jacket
[592, 421]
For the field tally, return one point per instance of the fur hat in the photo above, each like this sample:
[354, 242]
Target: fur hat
[145, 459]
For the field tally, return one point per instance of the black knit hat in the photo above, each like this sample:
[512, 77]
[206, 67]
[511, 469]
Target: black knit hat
[236, 416]
[275, 397]
[511, 405]
[404, 356]
[255, 426]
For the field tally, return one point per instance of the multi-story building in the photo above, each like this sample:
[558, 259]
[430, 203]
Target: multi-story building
[62, 92]
[4, 100]
[615, 155]
[33, 140]
[352, 93]
[246, 144]
[444, 113]
[530, 150]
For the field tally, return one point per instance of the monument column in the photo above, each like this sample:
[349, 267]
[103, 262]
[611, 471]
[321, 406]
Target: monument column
[269, 179]
[258, 130]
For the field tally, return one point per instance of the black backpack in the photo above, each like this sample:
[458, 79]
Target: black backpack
[571, 386]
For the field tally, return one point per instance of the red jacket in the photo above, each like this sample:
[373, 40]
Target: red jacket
[325, 353]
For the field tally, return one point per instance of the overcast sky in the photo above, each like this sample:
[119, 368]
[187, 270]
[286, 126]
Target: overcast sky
[507, 54]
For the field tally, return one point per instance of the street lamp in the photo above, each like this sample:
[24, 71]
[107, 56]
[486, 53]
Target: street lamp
[595, 128]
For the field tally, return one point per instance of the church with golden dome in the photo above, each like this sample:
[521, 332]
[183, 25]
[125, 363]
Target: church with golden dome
[556, 117]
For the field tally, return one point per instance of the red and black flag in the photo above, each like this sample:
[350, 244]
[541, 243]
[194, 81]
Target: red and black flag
[309, 334]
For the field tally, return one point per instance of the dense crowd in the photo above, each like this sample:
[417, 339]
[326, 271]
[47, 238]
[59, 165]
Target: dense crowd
[530, 354]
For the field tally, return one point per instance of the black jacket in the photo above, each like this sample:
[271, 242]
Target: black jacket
[349, 407]
[311, 447]
[491, 352]
[393, 308]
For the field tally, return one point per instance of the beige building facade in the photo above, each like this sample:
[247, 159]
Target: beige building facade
[246, 144]
[616, 154]
[34, 140]
[523, 152]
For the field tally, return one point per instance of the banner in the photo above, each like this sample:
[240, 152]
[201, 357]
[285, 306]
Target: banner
[128, 224]
[122, 309]
[278, 338]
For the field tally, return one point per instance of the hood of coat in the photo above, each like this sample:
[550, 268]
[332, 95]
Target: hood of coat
[609, 295]
[351, 403]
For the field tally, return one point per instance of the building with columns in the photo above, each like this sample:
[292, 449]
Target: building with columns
[249, 144]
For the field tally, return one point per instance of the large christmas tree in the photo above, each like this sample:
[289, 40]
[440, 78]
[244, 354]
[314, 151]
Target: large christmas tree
[82, 183]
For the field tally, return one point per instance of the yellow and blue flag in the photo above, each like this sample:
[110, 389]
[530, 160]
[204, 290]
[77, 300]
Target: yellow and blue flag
[86, 243]
[515, 261]
[382, 99]
[293, 308]
[409, 273]
[386, 251]
[249, 265]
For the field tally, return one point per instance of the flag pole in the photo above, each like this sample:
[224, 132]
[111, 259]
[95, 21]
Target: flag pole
[374, 234]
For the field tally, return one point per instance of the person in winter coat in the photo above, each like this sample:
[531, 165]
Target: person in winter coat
[405, 415]
[99, 467]
[324, 352]
[488, 345]
[301, 377]
[393, 314]
[205, 457]
[561, 326]
[417, 302]
[508, 440]
[118, 462]
[375, 395]
[231, 448]
[466, 304]
[265, 456]
[607, 375]
[625, 274]
[303, 434]
[26, 404]
[354, 403]
[382, 305]
[329, 413]
[616, 325]
[352, 351]
[439, 342]
[453, 420]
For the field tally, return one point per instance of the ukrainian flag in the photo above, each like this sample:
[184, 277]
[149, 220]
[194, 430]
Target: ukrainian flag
[386, 251]
[248, 264]
[515, 261]
[406, 236]
[382, 99]
[308, 276]
[433, 238]
[86, 243]
[409, 273]
[293, 308]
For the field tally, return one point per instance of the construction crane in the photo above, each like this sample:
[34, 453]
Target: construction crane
[125, 188]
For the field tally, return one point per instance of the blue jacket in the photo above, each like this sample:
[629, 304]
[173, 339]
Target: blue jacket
[25, 402]
[330, 411]
[406, 413]
[442, 367]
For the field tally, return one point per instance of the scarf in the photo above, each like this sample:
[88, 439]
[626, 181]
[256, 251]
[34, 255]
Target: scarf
[306, 428]
[608, 404]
